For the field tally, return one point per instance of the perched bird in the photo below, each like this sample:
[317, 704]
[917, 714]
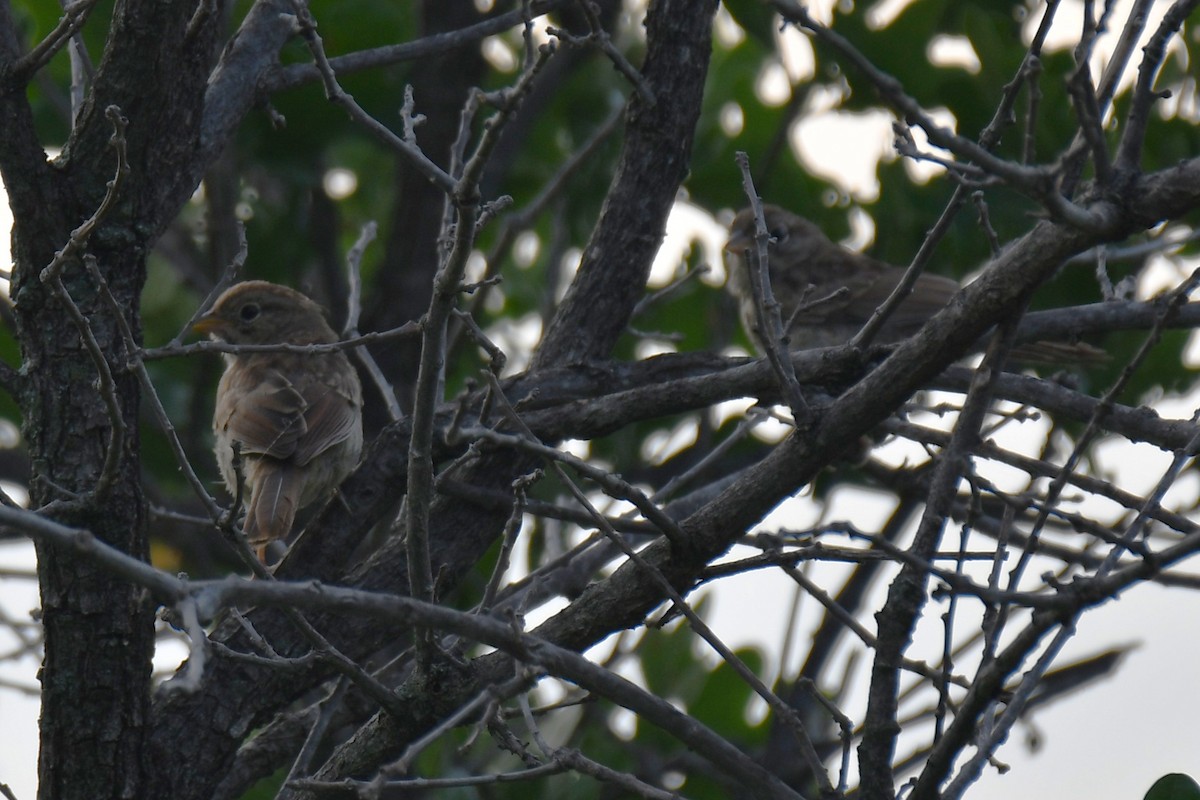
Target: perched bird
[810, 272]
[296, 418]
[837, 290]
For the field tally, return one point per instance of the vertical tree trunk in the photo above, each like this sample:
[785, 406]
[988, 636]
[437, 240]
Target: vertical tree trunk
[99, 630]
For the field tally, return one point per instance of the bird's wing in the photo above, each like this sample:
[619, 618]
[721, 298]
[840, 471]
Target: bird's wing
[815, 287]
[331, 412]
[269, 419]
[297, 418]
[930, 294]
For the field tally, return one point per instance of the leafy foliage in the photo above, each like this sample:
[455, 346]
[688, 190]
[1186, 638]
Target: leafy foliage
[549, 184]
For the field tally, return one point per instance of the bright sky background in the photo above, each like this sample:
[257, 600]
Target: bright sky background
[1111, 741]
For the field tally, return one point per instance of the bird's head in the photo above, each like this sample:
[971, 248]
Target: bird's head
[258, 312]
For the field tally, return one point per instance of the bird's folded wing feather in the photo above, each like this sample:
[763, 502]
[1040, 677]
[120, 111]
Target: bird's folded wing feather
[930, 294]
[297, 420]
[330, 416]
[270, 418]
[818, 290]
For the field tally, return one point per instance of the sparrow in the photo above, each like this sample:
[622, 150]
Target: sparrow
[835, 290]
[827, 293]
[295, 418]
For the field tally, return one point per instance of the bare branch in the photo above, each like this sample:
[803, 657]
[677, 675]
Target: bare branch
[766, 308]
[1129, 152]
[73, 18]
[338, 96]
[294, 75]
[1041, 183]
[350, 329]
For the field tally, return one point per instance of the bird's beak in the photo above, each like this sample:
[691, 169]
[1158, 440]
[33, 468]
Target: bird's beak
[207, 324]
[738, 243]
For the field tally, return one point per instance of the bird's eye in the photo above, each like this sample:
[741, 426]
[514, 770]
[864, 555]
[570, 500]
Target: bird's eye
[779, 233]
[249, 312]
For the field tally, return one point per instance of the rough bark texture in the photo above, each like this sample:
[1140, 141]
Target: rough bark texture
[235, 697]
[98, 630]
[654, 161]
[102, 736]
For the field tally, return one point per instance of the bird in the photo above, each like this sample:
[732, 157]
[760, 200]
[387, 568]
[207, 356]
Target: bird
[294, 419]
[826, 291]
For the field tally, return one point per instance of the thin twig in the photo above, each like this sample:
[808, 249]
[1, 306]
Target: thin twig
[612, 484]
[988, 139]
[225, 281]
[483, 698]
[337, 95]
[406, 330]
[517, 222]
[316, 733]
[150, 394]
[1040, 183]
[1102, 408]
[795, 725]
[599, 38]
[360, 787]
[387, 392]
[294, 75]
[72, 20]
[465, 195]
[508, 538]
[766, 308]
[1129, 152]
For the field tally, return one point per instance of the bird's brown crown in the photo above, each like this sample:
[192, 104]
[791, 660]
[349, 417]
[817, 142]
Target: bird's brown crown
[782, 226]
[258, 312]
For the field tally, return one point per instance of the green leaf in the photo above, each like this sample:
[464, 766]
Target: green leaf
[755, 17]
[726, 698]
[670, 664]
[1175, 786]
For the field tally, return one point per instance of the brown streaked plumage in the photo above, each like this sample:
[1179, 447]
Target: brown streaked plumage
[805, 267]
[297, 417]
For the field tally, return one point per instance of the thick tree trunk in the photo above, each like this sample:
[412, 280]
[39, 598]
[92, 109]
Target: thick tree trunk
[98, 628]
[99, 631]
